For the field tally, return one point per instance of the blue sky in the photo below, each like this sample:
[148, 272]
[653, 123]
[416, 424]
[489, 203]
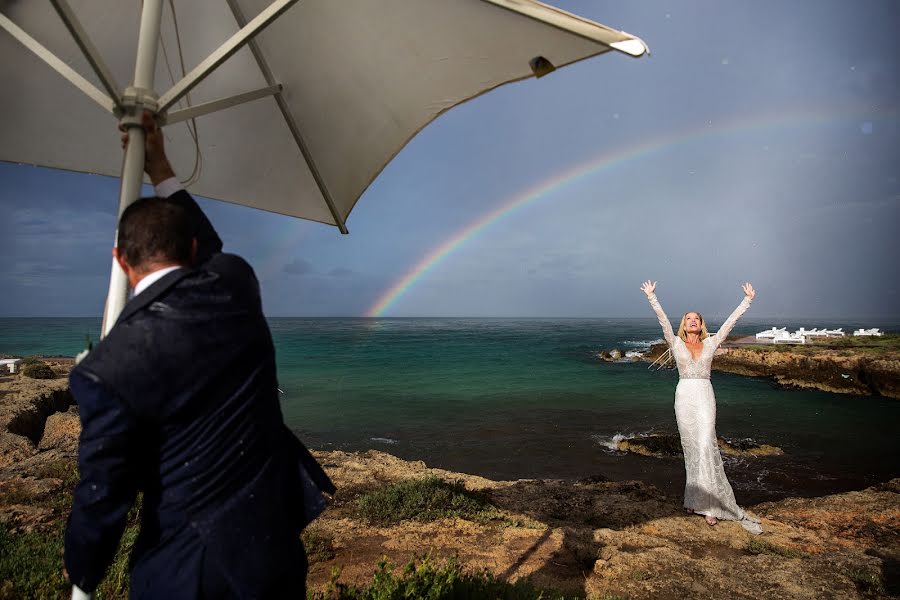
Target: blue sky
[782, 170]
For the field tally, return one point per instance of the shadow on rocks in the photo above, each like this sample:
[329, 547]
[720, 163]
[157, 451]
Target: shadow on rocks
[577, 510]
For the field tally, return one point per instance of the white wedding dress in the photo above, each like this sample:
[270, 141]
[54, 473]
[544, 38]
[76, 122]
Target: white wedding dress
[706, 491]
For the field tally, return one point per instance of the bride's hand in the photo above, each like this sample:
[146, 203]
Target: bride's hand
[748, 290]
[648, 287]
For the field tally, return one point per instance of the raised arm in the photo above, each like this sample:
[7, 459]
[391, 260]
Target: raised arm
[649, 288]
[729, 323]
[161, 174]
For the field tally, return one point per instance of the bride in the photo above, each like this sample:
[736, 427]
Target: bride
[707, 491]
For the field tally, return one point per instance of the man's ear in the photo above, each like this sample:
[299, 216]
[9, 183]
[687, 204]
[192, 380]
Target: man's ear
[121, 260]
[193, 251]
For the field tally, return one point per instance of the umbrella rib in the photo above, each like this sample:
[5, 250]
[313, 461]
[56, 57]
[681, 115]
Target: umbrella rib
[289, 119]
[57, 65]
[224, 52]
[216, 105]
[89, 50]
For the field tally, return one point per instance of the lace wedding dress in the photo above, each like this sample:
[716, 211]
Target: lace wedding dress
[707, 491]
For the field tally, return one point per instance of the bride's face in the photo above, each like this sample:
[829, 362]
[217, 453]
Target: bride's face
[693, 322]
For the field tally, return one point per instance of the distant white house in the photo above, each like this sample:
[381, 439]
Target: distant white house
[771, 334]
[874, 331]
[790, 338]
[12, 364]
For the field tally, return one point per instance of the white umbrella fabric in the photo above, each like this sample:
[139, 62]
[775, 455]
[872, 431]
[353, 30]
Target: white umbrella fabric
[321, 94]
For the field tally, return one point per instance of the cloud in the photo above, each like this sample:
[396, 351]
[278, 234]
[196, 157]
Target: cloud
[298, 266]
[340, 272]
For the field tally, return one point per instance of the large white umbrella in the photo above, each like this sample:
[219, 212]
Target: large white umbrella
[321, 94]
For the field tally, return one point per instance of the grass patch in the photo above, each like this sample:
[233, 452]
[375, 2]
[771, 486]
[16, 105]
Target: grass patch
[426, 499]
[866, 581]
[66, 470]
[845, 346]
[319, 547]
[115, 583]
[427, 579]
[31, 564]
[757, 546]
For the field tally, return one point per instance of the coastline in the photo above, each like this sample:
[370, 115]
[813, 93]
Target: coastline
[591, 538]
[861, 367]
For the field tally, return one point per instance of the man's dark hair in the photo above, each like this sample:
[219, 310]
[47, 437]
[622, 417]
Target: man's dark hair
[155, 230]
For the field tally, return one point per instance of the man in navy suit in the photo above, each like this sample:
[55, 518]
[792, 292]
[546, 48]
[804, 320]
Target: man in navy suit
[180, 402]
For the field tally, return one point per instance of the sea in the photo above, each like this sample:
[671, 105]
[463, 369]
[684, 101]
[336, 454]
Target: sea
[529, 398]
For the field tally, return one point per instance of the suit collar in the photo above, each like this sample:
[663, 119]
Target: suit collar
[153, 292]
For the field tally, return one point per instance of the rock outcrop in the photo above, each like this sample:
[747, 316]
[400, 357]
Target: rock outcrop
[25, 405]
[622, 539]
[841, 372]
[593, 538]
[663, 444]
[838, 370]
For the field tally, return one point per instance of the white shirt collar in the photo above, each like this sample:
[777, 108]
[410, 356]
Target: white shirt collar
[152, 278]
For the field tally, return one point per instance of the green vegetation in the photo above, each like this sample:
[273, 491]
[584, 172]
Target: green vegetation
[845, 346]
[115, 584]
[319, 547]
[757, 546]
[866, 582]
[38, 370]
[432, 581]
[66, 470]
[31, 564]
[426, 499]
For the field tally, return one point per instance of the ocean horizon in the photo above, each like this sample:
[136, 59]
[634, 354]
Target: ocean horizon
[512, 398]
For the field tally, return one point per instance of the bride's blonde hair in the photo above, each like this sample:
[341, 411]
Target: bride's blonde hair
[703, 332]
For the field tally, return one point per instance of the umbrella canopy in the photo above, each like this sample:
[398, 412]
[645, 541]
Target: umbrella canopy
[358, 80]
[302, 103]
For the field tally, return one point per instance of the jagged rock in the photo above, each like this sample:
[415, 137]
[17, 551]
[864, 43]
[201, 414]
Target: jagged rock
[28, 402]
[610, 355]
[61, 431]
[829, 370]
[652, 445]
[670, 445]
[747, 448]
[14, 448]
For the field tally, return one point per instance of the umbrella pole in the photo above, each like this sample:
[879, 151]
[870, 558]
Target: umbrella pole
[136, 99]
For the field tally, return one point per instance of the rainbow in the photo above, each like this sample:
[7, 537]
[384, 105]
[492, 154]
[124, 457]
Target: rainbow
[593, 166]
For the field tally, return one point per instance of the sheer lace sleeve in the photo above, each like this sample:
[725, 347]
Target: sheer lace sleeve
[728, 325]
[663, 320]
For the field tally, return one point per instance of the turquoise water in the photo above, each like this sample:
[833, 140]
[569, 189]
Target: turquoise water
[514, 398]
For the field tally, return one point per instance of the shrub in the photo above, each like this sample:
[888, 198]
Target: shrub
[866, 582]
[319, 547]
[757, 546]
[426, 499]
[435, 582]
[38, 370]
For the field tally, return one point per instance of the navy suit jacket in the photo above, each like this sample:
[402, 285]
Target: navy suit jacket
[180, 402]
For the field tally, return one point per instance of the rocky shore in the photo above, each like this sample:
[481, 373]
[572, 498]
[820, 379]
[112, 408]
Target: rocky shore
[670, 445]
[591, 538]
[862, 367]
